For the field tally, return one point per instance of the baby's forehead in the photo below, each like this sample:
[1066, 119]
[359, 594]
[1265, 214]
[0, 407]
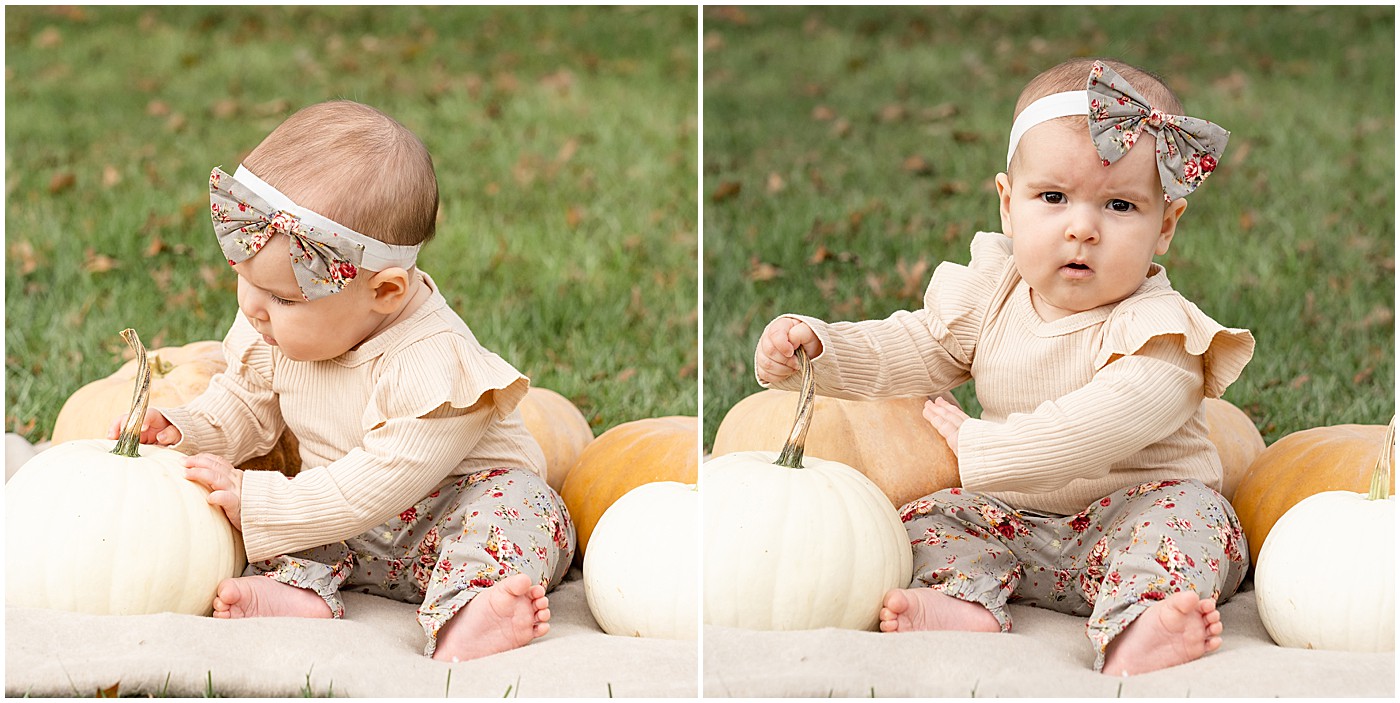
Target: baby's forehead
[1063, 147]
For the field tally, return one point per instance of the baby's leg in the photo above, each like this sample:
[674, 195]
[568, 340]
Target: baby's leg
[1180, 629]
[965, 565]
[260, 596]
[305, 585]
[509, 614]
[1174, 548]
[511, 539]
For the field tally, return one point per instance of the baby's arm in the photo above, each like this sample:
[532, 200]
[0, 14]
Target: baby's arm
[399, 462]
[1131, 403]
[238, 416]
[907, 353]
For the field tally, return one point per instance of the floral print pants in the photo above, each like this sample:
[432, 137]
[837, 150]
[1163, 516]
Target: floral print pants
[1109, 562]
[471, 532]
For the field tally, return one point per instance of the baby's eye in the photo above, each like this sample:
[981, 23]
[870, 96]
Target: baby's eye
[1053, 197]
[281, 301]
[1117, 205]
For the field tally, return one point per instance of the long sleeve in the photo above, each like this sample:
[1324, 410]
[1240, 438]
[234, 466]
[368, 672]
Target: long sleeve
[238, 416]
[401, 461]
[920, 352]
[1130, 404]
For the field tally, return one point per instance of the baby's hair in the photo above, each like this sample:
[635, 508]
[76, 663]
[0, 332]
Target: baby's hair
[1074, 75]
[355, 165]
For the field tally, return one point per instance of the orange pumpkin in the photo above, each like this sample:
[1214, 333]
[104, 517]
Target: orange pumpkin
[624, 457]
[1236, 439]
[888, 440]
[561, 430]
[1307, 462]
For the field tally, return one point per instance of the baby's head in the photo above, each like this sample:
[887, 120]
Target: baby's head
[322, 222]
[1071, 76]
[1086, 211]
[355, 165]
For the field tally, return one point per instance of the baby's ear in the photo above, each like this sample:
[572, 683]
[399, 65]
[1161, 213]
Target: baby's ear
[389, 289]
[1171, 215]
[1003, 184]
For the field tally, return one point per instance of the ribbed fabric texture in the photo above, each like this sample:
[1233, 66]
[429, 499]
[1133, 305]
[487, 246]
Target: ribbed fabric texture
[379, 427]
[1073, 409]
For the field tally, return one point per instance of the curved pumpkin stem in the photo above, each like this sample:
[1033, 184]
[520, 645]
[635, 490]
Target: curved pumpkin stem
[1380, 476]
[129, 442]
[791, 456]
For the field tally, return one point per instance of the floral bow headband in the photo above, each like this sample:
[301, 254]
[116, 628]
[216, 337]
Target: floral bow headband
[1188, 148]
[247, 212]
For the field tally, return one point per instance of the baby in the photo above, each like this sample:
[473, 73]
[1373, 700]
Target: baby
[1089, 485]
[419, 482]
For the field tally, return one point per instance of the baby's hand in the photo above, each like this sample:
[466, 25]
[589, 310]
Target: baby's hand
[947, 419]
[154, 430]
[776, 357]
[224, 482]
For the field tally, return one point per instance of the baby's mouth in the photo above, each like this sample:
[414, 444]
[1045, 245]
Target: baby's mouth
[1075, 269]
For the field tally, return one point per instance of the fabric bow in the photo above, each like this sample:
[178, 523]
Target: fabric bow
[323, 261]
[1188, 149]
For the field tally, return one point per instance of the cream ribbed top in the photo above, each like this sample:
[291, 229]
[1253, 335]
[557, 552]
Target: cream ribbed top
[379, 427]
[1073, 409]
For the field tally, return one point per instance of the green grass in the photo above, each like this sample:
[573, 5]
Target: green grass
[822, 117]
[565, 141]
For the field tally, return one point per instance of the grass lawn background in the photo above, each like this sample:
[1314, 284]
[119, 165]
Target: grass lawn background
[565, 142]
[848, 151]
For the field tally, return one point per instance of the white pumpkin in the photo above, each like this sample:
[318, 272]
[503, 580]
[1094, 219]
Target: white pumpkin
[798, 549]
[794, 544]
[1326, 573]
[640, 573]
[93, 532]
[93, 529]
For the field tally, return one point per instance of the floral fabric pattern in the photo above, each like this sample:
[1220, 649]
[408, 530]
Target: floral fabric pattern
[458, 541]
[1188, 149]
[1109, 562]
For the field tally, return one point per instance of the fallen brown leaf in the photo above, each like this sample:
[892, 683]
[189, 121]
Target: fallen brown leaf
[762, 270]
[110, 176]
[917, 165]
[822, 113]
[48, 38]
[726, 190]
[775, 183]
[94, 262]
[61, 181]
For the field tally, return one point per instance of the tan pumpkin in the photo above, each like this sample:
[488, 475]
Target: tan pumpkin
[178, 375]
[888, 440]
[1302, 464]
[559, 428]
[1236, 439]
[624, 457]
[895, 447]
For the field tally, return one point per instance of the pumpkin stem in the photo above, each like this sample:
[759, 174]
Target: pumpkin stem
[791, 456]
[129, 442]
[1380, 476]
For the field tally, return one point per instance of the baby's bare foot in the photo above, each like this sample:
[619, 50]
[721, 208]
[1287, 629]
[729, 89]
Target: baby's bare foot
[1179, 629]
[507, 615]
[915, 609]
[260, 596]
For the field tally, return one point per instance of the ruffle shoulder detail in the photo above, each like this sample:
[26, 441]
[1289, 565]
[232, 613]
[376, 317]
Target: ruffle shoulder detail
[1224, 351]
[443, 369]
[958, 295]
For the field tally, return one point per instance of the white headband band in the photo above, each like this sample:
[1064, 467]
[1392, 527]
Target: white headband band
[377, 255]
[1075, 102]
